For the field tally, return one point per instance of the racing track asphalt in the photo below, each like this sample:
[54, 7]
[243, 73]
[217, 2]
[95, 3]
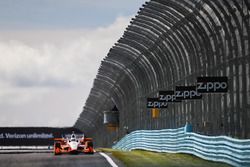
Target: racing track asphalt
[49, 160]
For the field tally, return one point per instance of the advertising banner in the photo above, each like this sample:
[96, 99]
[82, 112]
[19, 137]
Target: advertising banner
[187, 93]
[203, 85]
[212, 84]
[168, 96]
[32, 136]
[156, 103]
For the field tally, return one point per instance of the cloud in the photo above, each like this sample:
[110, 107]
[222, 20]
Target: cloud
[46, 76]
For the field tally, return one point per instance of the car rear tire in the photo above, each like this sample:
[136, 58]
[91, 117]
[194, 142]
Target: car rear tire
[57, 148]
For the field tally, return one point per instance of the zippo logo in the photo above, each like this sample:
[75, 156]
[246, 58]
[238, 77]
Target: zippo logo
[212, 84]
[155, 103]
[168, 96]
[187, 93]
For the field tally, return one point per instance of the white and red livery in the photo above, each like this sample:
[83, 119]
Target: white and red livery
[73, 145]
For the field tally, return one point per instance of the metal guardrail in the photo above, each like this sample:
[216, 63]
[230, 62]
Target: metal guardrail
[25, 149]
[235, 152]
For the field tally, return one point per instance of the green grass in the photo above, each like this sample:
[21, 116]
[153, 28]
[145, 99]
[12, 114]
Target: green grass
[140, 158]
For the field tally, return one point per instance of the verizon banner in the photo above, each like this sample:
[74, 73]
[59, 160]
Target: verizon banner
[32, 136]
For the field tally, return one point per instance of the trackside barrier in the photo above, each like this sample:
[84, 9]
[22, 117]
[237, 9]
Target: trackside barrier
[25, 149]
[235, 152]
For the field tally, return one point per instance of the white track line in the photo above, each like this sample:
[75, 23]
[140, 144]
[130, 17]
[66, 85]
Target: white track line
[111, 162]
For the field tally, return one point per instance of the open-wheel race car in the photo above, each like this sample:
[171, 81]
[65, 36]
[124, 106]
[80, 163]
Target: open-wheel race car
[73, 145]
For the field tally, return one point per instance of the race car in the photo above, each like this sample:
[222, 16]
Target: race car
[73, 145]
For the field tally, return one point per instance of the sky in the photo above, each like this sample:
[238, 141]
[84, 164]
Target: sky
[50, 51]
